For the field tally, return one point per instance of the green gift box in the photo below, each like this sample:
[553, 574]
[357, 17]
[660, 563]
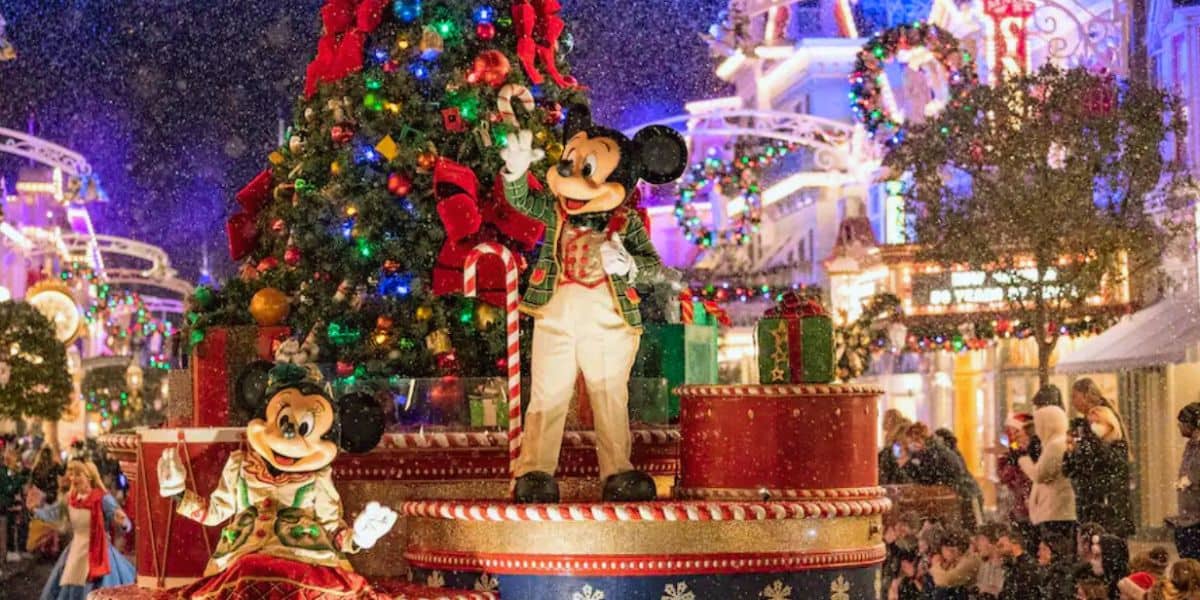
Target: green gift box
[488, 406]
[795, 343]
[649, 402]
[680, 354]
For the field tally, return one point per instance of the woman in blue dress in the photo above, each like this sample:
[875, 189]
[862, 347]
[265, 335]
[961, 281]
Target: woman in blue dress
[90, 561]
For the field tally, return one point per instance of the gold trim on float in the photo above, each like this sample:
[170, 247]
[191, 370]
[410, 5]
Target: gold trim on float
[643, 537]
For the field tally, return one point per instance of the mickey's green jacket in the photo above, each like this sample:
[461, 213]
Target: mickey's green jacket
[544, 279]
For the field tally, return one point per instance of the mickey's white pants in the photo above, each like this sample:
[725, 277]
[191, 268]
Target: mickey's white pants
[579, 331]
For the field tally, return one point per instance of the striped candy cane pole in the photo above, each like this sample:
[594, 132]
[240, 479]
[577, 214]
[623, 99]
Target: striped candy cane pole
[505, 99]
[512, 316]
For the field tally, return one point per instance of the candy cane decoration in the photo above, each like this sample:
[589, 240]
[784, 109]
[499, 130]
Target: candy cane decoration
[511, 299]
[505, 99]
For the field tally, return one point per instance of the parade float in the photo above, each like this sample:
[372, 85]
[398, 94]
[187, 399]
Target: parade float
[389, 248]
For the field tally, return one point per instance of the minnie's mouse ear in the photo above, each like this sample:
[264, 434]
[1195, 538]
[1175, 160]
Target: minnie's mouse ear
[664, 154]
[360, 421]
[251, 387]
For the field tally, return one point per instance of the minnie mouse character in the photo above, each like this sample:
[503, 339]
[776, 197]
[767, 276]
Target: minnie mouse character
[286, 529]
[581, 292]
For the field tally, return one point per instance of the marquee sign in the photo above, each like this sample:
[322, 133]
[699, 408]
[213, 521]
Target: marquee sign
[976, 288]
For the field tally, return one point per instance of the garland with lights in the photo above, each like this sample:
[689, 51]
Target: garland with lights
[108, 307]
[868, 79]
[33, 365]
[746, 293]
[976, 335]
[738, 179]
[853, 342]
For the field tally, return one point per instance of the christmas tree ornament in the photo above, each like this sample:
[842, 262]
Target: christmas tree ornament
[431, 44]
[296, 142]
[343, 368]
[388, 148]
[269, 307]
[485, 31]
[399, 184]
[484, 14]
[504, 102]
[486, 315]
[335, 168]
[384, 323]
[372, 101]
[424, 313]
[490, 68]
[426, 160]
[342, 133]
[204, 297]
[452, 120]
[391, 266]
[291, 256]
[438, 342]
[279, 226]
[341, 334]
[267, 264]
[407, 11]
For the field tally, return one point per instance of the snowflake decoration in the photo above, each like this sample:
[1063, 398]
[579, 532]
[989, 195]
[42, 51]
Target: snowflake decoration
[677, 591]
[435, 580]
[487, 583]
[587, 593]
[777, 591]
[839, 589]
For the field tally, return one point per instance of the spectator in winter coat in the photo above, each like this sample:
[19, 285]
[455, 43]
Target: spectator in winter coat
[903, 531]
[1099, 474]
[13, 477]
[1048, 395]
[895, 426]
[929, 462]
[908, 585]
[1052, 500]
[1020, 569]
[1090, 589]
[954, 567]
[1101, 415]
[1187, 523]
[1019, 429]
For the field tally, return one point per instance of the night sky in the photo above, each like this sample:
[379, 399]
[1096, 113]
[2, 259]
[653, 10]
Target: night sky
[176, 102]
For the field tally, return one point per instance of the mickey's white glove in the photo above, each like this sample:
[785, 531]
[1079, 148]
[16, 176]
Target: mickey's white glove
[518, 153]
[171, 476]
[616, 259]
[372, 523]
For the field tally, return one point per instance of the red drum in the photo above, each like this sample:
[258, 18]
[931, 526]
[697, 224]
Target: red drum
[778, 442]
[172, 550]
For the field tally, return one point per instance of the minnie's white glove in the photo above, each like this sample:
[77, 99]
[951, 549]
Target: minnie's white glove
[171, 476]
[616, 259]
[372, 523]
[518, 154]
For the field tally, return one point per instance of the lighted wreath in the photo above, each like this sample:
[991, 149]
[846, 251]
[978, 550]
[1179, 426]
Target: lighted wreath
[868, 79]
[736, 179]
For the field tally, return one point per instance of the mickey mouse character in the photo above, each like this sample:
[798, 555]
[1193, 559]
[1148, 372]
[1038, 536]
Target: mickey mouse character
[286, 528]
[581, 292]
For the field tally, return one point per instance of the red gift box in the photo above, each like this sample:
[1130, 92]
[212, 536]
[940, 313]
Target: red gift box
[216, 363]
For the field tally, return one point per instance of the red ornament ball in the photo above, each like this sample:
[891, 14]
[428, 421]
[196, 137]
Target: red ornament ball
[485, 31]
[267, 264]
[342, 133]
[278, 226]
[491, 67]
[344, 369]
[391, 66]
[399, 184]
[291, 256]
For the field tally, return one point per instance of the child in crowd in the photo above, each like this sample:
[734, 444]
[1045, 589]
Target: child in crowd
[1055, 577]
[908, 584]
[990, 579]
[1146, 568]
[1020, 569]
[954, 567]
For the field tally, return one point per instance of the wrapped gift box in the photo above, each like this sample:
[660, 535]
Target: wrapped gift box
[216, 363]
[795, 343]
[679, 354]
[488, 405]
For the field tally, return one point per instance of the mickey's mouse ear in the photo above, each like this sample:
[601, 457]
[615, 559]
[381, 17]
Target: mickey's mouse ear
[252, 385]
[360, 419]
[664, 154]
[579, 117]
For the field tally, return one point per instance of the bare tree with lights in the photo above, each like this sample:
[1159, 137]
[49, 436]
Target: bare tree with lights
[1042, 182]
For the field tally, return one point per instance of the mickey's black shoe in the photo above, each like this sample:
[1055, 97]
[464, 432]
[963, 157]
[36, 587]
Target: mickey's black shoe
[630, 486]
[536, 487]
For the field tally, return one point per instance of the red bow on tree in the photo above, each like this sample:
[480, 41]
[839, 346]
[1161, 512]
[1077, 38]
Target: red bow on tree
[241, 227]
[346, 24]
[540, 18]
[469, 223]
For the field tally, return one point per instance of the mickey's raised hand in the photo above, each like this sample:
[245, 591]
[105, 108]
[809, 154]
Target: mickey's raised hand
[518, 154]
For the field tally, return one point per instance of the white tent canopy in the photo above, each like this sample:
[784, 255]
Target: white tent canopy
[1165, 333]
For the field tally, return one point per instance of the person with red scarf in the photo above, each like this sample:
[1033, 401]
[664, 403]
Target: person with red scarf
[91, 561]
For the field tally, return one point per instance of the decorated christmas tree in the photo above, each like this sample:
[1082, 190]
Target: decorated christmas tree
[356, 234]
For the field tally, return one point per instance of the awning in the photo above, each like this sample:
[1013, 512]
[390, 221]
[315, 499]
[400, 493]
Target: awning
[1166, 333]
